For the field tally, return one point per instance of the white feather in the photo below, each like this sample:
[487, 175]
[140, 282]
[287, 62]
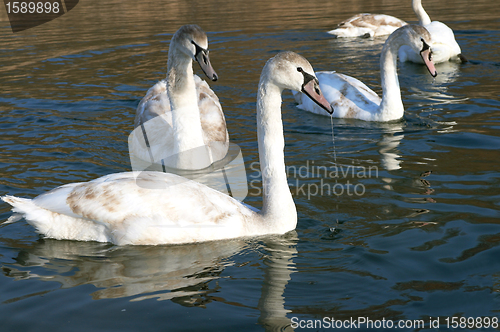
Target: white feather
[350, 98]
[443, 44]
[367, 25]
[147, 208]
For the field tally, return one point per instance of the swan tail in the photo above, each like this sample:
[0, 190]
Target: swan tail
[53, 224]
[19, 205]
[24, 207]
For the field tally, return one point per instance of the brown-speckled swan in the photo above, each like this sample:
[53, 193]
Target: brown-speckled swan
[192, 133]
[367, 25]
[119, 208]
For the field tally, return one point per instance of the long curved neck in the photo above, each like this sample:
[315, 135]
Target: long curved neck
[278, 211]
[419, 10]
[391, 106]
[189, 150]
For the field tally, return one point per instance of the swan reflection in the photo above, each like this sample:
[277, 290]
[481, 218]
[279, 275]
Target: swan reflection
[392, 135]
[181, 273]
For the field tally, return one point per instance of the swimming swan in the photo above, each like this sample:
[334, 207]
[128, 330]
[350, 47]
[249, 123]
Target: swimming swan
[367, 25]
[119, 208]
[350, 98]
[444, 46]
[194, 134]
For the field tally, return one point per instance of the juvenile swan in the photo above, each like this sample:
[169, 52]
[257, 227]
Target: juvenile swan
[367, 25]
[350, 98]
[444, 46]
[118, 208]
[193, 134]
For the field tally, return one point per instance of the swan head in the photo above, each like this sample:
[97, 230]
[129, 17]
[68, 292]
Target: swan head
[420, 40]
[192, 41]
[289, 70]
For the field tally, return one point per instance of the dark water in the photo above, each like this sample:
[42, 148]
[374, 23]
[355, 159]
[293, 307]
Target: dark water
[420, 238]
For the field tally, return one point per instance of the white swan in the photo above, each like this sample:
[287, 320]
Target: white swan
[443, 44]
[350, 98]
[367, 25]
[121, 209]
[192, 133]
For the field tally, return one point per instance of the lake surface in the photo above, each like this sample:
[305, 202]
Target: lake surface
[419, 239]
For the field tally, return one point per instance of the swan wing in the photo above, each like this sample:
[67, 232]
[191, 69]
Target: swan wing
[136, 208]
[444, 46]
[367, 25]
[213, 121]
[349, 97]
[154, 103]
[160, 132]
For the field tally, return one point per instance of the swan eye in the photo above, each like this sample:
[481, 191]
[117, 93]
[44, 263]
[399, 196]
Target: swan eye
[198, 50]
[300, 70]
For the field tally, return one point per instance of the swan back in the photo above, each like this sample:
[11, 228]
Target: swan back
[444, 45]
[367, 25]
[348, 96]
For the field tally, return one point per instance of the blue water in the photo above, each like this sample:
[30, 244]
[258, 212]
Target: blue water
[420, 240]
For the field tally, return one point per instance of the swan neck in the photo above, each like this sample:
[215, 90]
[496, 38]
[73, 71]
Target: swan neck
[189, 150]
[391, 106]
[278, 206]
[422, 15]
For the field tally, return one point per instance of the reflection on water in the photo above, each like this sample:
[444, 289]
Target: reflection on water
[137, 272]
[185, 274]
[391, 138]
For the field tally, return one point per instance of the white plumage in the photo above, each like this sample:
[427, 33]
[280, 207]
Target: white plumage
[367, 25]
[149, 208]
[192, 115]
[350, 98]
[443, 43]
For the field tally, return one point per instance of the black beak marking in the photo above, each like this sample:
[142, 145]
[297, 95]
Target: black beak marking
[199, 50]
[308, 78]
[425, 47]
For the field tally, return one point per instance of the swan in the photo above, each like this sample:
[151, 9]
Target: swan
[191, 133]
[353, 99]
[367, 25]
[444, 46]
[152, 208]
